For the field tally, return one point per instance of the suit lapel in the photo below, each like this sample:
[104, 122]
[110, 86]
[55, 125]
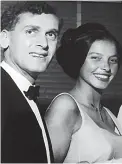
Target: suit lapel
[9, 86]
[19, 119]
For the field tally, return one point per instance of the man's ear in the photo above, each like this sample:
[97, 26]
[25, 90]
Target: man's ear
[4, 39]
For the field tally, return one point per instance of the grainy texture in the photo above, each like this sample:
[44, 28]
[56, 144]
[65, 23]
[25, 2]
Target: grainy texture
[54, 80]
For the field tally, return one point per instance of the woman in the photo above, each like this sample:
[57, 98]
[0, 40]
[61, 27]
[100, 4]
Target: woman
[80, 127]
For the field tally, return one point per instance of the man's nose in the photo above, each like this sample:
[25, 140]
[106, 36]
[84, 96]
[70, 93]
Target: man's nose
[42, 41]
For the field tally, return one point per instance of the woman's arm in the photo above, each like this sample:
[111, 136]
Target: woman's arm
[115, 161]
[61, 118]
[117, 147]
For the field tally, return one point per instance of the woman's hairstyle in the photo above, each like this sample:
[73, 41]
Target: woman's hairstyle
[75, 44]
[10, 16]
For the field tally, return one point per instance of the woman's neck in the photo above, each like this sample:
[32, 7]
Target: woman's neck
[86, 94]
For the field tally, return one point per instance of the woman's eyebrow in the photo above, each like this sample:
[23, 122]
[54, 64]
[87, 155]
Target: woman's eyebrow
[97, 53]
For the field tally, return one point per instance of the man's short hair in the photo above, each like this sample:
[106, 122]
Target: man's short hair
[10, 16]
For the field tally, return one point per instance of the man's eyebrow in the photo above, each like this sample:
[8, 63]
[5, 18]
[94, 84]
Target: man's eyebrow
[53, 30]
[38, 28]
[32, 26]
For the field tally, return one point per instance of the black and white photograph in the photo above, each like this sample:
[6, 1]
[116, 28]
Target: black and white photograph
[61, 81]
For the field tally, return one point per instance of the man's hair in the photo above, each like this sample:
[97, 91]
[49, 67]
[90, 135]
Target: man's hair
[10, 16]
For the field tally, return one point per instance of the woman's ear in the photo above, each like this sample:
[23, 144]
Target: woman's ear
[4, 39]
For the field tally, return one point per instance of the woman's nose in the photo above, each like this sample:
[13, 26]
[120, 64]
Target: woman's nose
[105, 66]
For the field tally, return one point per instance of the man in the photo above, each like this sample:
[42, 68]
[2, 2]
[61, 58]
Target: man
[29, 38]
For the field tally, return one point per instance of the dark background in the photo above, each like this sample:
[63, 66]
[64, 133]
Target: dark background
[54, 80]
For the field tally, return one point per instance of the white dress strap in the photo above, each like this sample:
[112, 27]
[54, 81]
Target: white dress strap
[119, 117]
[118, 126]
[66, 93]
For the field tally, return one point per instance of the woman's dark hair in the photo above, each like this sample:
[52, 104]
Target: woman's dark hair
[76, 43]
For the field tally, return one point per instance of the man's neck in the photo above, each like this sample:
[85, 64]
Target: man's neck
[22, 72]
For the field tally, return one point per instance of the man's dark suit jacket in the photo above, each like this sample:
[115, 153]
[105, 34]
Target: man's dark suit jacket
[21, 137]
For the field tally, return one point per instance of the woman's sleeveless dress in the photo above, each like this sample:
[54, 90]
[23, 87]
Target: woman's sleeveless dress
[90, 143]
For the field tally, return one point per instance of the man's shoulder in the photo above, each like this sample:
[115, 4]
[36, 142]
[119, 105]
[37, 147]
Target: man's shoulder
[4, 75]
[9, 89]
[6, 80]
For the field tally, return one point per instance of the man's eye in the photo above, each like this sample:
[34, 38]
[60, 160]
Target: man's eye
[30, 32]
[115, 60]
[51, 35]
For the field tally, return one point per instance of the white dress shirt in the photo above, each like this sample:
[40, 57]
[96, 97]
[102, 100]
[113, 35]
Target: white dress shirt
[23, 85]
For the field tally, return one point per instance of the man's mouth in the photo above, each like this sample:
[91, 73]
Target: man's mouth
[40, 55]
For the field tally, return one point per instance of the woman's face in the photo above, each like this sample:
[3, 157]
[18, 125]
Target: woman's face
[101, 64]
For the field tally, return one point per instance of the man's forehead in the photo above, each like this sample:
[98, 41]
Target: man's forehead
[39, 20]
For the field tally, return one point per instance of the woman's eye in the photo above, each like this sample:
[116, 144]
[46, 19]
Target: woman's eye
[95, 57]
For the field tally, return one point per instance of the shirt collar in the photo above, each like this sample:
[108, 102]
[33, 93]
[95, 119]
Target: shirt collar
[22, 83]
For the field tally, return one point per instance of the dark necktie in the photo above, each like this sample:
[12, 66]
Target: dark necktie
[33, 94]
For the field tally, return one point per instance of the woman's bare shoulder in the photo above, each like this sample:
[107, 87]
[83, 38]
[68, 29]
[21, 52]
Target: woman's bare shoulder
[64, 101]
[62, 108]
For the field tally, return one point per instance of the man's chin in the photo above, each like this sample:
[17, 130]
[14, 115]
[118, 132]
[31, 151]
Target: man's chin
[40, 70]
[35, 72]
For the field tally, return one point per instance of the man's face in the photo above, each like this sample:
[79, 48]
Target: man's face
[32, 43]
